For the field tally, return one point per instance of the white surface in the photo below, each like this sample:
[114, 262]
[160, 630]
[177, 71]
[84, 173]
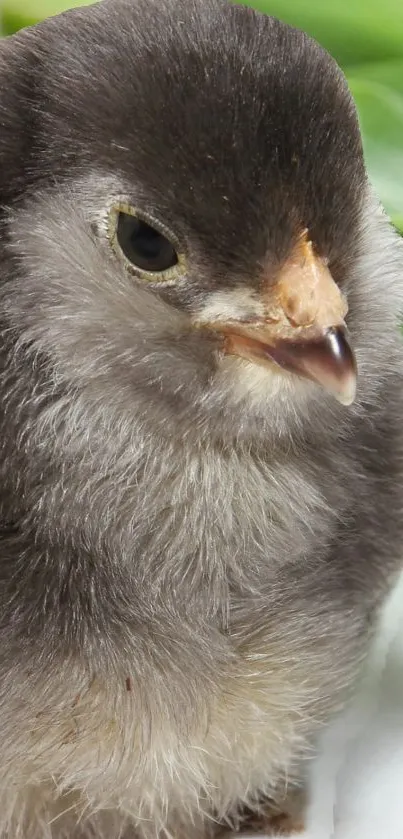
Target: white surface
[357, 783]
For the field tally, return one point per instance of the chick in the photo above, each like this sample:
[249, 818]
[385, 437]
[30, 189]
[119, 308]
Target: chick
[201, 417]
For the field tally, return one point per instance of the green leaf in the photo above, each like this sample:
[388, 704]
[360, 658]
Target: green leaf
[352, 30]
[381, 117]
[15, 14]
[398, 222]
[388, 73]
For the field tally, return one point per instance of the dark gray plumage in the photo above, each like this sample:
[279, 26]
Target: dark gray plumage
[194, 548]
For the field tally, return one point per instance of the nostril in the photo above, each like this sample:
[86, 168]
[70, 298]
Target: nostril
[300, 312]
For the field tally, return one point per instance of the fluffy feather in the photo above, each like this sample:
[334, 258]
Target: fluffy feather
[193, 553]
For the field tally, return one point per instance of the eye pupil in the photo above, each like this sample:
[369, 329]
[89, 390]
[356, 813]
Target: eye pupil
[144, 246]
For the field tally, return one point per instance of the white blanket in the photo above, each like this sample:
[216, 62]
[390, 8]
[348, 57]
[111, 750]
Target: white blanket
[357, 783]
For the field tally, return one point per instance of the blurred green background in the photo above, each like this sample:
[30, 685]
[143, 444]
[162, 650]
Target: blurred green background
[366, 38]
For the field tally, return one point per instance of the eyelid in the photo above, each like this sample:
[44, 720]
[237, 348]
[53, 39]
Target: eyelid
[171, 275]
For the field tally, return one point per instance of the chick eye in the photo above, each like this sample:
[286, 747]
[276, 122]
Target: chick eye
[143, 246]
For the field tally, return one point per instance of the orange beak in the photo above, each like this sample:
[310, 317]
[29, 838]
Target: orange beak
[303, 329]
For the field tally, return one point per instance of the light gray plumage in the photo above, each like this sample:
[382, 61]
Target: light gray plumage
[194, 548]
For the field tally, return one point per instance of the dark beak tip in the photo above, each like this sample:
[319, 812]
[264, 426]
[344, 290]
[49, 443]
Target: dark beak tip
[327, 360]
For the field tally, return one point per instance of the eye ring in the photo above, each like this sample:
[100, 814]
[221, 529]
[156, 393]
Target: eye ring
[149, 250]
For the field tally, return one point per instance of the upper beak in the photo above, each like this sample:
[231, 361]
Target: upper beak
[303, 329]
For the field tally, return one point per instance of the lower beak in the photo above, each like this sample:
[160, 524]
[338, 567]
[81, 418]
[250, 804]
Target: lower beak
[326, 359]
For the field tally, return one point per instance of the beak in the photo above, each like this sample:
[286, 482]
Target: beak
[303, 329]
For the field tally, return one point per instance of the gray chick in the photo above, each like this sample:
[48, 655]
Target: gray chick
[201, 418]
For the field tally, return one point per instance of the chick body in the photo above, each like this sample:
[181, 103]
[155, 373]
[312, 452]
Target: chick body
[194, 549]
